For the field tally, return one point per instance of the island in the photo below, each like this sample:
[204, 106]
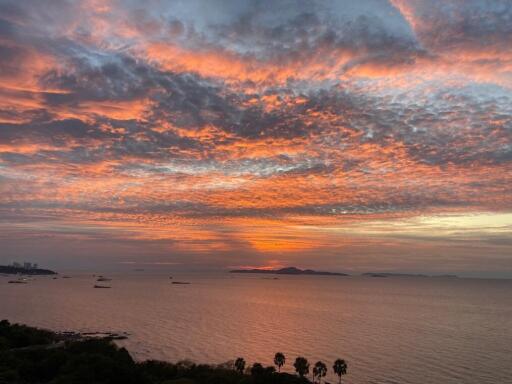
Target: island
[288, 271]
[19, 270]
[394, 274]
[391, 274]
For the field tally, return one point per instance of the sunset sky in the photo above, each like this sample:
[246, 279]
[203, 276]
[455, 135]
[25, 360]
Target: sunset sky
[369, 135]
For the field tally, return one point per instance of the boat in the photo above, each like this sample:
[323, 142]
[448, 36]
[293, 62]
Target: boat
[17, 282]
[180, 282]
[101, 286]
[101, 278]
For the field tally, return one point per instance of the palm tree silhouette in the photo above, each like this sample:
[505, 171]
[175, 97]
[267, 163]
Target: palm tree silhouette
[301, 366]
[240, 364]
[279, 360]
[340, 368]
[319, 370]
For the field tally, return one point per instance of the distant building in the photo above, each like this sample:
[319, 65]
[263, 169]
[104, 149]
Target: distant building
[26, 265]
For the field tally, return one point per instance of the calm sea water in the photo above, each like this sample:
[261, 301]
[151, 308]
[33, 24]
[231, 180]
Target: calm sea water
[390, 330]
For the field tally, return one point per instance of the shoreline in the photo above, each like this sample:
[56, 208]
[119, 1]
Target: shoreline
[35, 355]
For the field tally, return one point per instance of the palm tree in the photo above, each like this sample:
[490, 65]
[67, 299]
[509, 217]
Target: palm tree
[279, 360]
[319, 370]
[240, 364]
[340, 368]
[301, 366]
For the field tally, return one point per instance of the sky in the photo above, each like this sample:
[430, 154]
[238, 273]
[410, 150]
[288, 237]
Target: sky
[349, 136]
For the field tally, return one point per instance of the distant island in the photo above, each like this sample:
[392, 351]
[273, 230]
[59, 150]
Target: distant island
[392, 274]
[288, 271]
[22, 270]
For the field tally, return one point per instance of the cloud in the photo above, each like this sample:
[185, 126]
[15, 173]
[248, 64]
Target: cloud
[231, 113]
[455, 24]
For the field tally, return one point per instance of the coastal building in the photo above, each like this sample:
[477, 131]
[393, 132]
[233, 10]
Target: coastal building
[26, 265]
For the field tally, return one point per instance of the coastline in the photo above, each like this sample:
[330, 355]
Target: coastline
[33, 355]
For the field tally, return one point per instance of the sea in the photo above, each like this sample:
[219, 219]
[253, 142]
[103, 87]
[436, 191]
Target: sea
[393, 330]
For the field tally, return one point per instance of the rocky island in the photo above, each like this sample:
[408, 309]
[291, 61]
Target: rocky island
[393, 274]
[288, 271]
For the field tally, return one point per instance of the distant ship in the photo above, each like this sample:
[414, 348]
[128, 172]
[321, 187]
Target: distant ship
[101, 286]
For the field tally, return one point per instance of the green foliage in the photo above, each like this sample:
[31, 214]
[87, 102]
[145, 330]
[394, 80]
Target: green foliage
[179, 381]
[240, 364]
[19, 336]
[340, 368]
[33, 356]
[257, 370]
[319, 370]
[279, 360]
[301, 366]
